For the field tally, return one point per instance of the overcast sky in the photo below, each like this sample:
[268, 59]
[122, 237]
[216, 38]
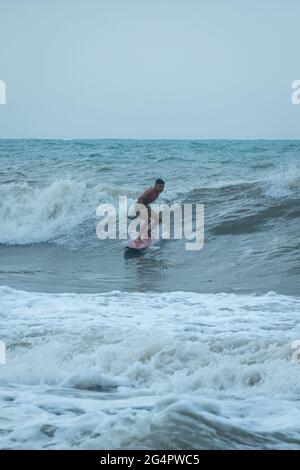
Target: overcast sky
[149, 68]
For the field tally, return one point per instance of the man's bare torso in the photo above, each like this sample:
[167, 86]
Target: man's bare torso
[149, 196]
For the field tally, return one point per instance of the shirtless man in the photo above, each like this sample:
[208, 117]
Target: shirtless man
[149, 196]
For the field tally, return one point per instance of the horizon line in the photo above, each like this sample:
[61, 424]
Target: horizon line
[152, 138]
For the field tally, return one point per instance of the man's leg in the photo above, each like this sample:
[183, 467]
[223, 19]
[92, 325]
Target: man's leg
[143, 227]
[154, 221]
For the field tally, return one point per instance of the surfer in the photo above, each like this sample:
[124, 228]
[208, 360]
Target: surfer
[149, 196]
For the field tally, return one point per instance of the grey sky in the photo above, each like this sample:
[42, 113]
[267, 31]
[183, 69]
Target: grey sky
[149, 68]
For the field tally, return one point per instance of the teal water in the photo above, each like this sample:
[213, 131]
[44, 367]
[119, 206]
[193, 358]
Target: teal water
[49, 192]
[169, 349]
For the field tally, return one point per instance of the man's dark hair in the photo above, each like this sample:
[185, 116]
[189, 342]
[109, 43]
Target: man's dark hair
[159, 181]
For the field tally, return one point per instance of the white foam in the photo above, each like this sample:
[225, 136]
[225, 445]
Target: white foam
[30, 214]
[283, 182]
[159, 359]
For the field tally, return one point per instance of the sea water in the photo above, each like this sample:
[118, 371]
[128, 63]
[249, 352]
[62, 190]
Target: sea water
[167, 349]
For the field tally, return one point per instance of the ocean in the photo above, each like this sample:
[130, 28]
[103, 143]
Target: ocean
[164, 349]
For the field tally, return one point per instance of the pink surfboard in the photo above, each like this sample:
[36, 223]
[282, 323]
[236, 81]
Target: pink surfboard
[139, 246]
